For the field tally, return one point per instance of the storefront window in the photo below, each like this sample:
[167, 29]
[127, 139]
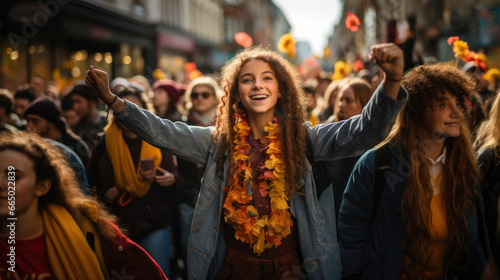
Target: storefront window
[14, 70]
[172, 63]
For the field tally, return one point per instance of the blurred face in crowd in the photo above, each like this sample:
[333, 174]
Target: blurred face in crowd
[444, 117]
[80, 105]
[39, 125]
[137, 102]
[19, 105]
[203, 99]
[333, 98]
[160, 97]
[71, 117]
[27, 190]
[348, 104]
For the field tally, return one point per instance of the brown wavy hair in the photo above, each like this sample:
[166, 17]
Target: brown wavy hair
[289, 109]
[427, 84]
[488, 133]
[50, 163]
[362, 93]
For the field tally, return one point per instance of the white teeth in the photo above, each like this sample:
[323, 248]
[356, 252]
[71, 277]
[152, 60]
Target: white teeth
[259, 96]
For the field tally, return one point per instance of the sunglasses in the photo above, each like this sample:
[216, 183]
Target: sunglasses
[205, 95]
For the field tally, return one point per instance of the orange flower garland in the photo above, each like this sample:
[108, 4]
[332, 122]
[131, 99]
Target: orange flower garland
[266, 231]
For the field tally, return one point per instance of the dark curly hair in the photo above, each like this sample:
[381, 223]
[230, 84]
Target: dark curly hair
[427, 85]
[289, 109]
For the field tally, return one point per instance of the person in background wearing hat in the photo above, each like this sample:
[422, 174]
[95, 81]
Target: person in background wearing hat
[92, 122]
[165, 98]
[118, 84]
[477, 73]
[23, 96]
[45, 118]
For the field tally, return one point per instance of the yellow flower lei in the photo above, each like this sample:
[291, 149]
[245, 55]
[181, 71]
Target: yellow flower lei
[266, 231]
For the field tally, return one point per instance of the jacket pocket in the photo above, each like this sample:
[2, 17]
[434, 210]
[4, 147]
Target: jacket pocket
[207, 195]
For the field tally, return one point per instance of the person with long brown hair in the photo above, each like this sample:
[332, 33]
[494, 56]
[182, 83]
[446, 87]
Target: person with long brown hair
[259, 214]
[49, 229]
[423, 218]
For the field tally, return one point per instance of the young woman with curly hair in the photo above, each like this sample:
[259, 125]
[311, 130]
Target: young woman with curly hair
[427, 221]
[58, 233]
[259, 214]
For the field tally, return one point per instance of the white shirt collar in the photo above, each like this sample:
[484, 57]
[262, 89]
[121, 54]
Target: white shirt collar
[440, 159]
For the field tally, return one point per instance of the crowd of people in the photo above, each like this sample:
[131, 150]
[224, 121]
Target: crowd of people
[254, 173]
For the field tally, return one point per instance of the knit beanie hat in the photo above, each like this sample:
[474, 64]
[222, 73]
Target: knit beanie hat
[46, 108]
[174, 90]
[84, 90]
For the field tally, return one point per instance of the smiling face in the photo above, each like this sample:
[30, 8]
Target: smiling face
[258, 89]
[444, 117]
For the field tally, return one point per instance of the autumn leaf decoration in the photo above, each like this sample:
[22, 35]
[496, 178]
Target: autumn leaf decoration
[259, 231]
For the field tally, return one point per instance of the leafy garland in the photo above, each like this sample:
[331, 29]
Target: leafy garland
[266, 231]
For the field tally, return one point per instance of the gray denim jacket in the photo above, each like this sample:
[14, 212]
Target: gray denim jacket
[315, 215]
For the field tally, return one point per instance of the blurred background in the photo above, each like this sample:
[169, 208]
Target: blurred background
[55, 41]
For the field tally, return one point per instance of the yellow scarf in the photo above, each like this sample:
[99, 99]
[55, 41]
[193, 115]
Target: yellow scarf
[127, 177]
[69, 254]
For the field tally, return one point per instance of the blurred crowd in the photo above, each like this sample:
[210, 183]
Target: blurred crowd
[154, 193]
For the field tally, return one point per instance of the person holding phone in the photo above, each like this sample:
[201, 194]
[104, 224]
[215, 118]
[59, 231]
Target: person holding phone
[138, 182]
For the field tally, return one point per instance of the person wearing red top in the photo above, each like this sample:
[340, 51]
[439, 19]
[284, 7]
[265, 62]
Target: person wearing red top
[50, 229]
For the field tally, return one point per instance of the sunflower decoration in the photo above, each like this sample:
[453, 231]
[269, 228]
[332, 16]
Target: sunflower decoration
[352, 22]
[340, 71]
[286, 45]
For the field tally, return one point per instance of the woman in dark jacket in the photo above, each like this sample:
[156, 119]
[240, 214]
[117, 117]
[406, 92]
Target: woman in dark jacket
[138, 192]
[487, 144]
[425, 218]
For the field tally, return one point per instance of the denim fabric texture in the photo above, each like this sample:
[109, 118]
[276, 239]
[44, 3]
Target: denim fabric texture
[315, 215]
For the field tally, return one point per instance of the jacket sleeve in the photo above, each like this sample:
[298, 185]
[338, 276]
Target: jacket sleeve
[355, 216]
[177, 138]
[354, 136]
[125, 259]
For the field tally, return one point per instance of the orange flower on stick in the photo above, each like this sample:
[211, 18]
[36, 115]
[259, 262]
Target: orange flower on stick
[358, 66]
[451, 40]
[190, 66]
[243, 39]
[286, 45]
[461, 49]
[352, 22]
